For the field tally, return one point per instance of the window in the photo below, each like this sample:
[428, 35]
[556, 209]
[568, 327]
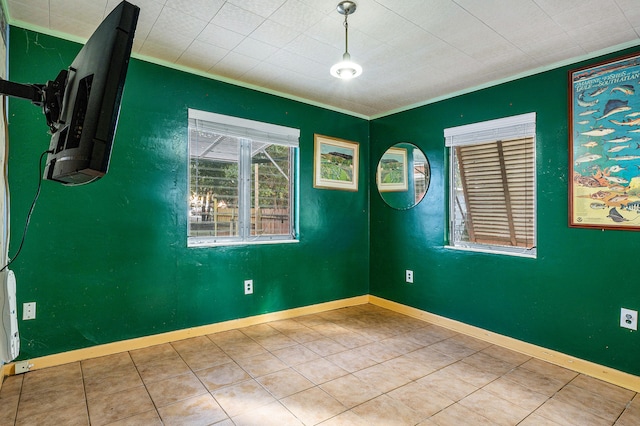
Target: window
[492, 186]
[242, 180]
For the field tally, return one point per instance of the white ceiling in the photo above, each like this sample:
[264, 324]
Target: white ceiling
[412, 51]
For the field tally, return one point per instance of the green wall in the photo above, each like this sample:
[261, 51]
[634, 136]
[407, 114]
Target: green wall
[108, 261]
[569, 298]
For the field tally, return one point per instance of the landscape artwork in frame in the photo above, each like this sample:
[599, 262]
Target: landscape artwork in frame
[335, 163]
[392, 171]
[604, 145]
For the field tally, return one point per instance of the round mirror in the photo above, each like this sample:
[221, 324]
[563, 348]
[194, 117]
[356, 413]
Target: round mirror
[403, 176]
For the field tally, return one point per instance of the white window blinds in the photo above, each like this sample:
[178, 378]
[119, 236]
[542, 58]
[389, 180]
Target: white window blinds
[243, 128]
[493, 184]
[516, 127]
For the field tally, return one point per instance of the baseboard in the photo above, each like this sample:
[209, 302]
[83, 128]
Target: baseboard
[172, 336]
[601, 372]
[610, 375]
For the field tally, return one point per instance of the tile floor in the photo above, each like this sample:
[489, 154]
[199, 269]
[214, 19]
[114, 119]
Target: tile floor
[361, 365]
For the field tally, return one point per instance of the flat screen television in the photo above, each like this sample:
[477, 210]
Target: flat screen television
[83, 103]
[83, 139]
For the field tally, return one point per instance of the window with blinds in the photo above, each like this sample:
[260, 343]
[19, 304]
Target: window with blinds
[242, 180]
[492, 186]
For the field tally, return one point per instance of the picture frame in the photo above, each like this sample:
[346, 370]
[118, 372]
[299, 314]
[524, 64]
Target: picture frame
[335, 163]
[392, 172]
[604, 148]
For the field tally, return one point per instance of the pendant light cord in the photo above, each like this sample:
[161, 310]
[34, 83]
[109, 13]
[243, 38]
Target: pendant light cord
[346, 34]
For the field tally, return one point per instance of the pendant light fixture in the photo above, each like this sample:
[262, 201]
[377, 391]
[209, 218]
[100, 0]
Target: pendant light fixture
[346, 69]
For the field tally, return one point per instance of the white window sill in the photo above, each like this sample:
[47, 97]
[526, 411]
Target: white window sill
[199, 244]
[529, 254]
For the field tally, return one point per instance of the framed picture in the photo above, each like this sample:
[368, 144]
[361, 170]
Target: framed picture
[392, 171]
[335, 163]
[604, 148]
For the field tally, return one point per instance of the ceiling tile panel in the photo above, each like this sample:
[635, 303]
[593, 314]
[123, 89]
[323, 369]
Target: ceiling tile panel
[177, 41]
[595, 38]
[419, 38]
[255, 49]
[444, 18]
[221, 37]
[543, 45]
[180, 23]
[297, 15]
[330, 30]
[442, 56]
[590, 12]
[234, 65]
[275, 34]
[298, 64]
[264, 8]
[90, 12]
[201, 9]
[631, 10]
[406, 8]
[79, 5]
[376, 22]
[330, 6]
[482, 46]
[267, 75]
[65, 24]
[38, 4]
[163, 51]
[555, 7]
[201, 56]
[558, 54]
[514, 24]
[35, 12]
[313, 49]
[236, 19]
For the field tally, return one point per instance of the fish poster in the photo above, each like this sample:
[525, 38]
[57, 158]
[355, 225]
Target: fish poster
[604, 145]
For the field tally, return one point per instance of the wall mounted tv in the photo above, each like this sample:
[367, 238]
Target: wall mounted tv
[83, 103]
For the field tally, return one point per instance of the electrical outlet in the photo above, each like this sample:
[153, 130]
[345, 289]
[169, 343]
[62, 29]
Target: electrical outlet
[29, 311]
[22, 367]
[409, 276]
[629, 319]
[248, 286]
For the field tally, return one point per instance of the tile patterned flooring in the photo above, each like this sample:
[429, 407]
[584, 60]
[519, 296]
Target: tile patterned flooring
[362, 365]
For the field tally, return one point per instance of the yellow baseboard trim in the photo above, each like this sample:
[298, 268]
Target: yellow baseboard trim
[610, 375]
[601, 372]
[172, 336]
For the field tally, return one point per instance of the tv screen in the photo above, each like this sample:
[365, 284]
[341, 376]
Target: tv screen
[83, 133]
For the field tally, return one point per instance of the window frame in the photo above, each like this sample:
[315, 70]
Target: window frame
[246, 131]
[519, 127]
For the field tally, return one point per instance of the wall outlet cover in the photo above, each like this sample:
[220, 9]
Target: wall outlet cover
[22, 367]
[29, 311]
[629, 319]
[409, 276]
[248, 286]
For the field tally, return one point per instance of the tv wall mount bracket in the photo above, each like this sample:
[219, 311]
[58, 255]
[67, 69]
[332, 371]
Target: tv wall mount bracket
[47, 96]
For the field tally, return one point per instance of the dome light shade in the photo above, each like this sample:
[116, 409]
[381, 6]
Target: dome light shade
[346, 69]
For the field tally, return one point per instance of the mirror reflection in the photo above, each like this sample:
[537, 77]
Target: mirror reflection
[403, 176]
